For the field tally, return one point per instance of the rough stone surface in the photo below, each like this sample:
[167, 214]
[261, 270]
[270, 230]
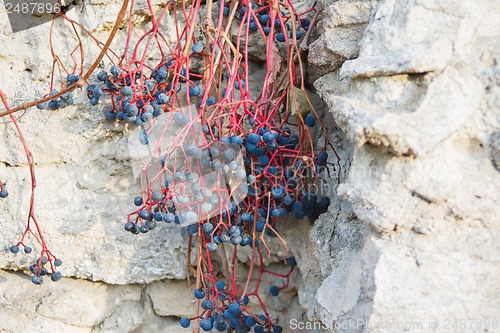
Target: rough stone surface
[410, 238]
[420, 104]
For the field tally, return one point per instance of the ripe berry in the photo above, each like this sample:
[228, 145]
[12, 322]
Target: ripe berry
[157, 196]
[263, 160]
[206, 325]
[310, 120]
[27, 249]
[162, 99]
[14, 249]
[212, 247]
[138, 201]
[277, 329]
[115, 70]
[220, 285]
[207, 227]
[250, 321]
[280, 37]
[264, 18]
[207, 304]
[169, 218]
[199, 293]
[37, 279]
[192, 229]
[211, 101]
[145, 214]
[151, 225]
[253, 138]
[56, 276]
[197, 47]
[127, 91]
[185, 322]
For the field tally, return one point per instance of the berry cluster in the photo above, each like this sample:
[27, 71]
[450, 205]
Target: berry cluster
[38, 269]
[260, 18]
[234, 157]
[63, 100]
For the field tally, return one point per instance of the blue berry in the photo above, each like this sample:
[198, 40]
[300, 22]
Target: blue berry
[234, 231]
[206, 325]
[151, 225]
[236, 140]
[236, 240]
[310, 120]
[157, 196]
[169, 217]
[138, 201]
[288, 200]
[197, 47]
[56, 276]
[127, 91]
[305, 22]
[94, 100]
[280, 37]
[253, 138]
[110, 115]
[102, 76]
[191, 217]
[207, 304]
[220, 285]
[28, 249]
[57, 262]
[229, 154]
[258, 329]
[267, 30]
[37, 279]
[192, 229]
[246, 240]
[144, 214]
[263, 160]
[274, 291]
[291, 261]
[72, 78]
[115, 70]
[277, 192]
[211, 101]
[162, 99]
[259, 226]
[212, 247]
[278, 329]
[234, 309]
[129, 226]
[250, 321]
[241, 174]
[14, 249]
[264, 18]
[199, 293]
[207, 227]
[185, 322]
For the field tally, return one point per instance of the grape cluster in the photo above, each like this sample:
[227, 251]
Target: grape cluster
[260, 18]
[65, 99]
[223, 311]
[236, 164]
[39, 269]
